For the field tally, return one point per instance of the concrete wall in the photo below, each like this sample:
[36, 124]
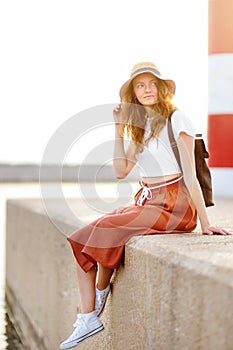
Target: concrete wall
[173, 292]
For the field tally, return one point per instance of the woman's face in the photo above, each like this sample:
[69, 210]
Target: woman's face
[145, 89]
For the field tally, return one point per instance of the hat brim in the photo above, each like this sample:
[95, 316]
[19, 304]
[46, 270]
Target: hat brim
[171, 84]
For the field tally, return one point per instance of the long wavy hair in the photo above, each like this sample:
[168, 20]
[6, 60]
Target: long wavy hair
[134, 115]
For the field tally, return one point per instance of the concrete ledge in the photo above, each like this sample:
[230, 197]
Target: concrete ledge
[173, 292]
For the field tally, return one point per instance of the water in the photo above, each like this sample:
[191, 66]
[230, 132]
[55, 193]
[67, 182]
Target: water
[10, 339]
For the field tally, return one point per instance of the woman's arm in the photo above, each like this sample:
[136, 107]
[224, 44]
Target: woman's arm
[123, 161]
[185, 145]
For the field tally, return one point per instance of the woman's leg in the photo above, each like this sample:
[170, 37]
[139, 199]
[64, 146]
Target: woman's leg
[88, 322]
[87, 286]
[87, 281]
[104, 276]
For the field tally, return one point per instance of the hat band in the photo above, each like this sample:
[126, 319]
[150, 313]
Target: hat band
[143, 70]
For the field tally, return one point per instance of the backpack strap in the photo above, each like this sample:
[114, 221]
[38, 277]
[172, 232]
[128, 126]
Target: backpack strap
[173, 141]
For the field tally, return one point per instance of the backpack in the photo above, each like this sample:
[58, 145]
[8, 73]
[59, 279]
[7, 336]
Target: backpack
[202, 169]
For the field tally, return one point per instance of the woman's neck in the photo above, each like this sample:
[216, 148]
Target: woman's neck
[150, 112]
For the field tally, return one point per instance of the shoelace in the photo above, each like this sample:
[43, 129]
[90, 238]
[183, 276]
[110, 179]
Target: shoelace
[146, 191]
[100, 300]
[79, 326]
[79, 322]
[100, 297]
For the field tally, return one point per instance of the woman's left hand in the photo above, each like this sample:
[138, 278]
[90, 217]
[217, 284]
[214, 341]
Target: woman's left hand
[213, 230]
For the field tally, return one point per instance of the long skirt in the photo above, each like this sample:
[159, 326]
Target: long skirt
[169, 210]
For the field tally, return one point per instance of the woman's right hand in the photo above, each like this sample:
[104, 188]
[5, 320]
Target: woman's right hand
[117, 114]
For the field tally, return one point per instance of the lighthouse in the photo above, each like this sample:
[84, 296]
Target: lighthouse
[220, 96]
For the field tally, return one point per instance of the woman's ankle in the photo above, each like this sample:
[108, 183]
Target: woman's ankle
[102, 288]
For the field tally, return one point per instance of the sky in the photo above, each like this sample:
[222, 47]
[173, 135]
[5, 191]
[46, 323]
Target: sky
[60, 58]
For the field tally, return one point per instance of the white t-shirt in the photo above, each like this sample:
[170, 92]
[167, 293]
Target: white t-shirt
[157, 158]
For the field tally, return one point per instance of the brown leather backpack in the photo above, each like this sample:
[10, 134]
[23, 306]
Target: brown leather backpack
[202, 169]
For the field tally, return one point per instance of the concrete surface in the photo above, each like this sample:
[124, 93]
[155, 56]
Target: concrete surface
[172, 292]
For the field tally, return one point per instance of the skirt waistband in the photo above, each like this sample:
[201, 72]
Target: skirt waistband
[146, 190]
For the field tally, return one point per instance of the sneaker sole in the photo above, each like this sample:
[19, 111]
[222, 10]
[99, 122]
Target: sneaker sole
[77, 341]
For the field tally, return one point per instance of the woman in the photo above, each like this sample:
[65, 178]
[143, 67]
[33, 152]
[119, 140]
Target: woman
[168, 202]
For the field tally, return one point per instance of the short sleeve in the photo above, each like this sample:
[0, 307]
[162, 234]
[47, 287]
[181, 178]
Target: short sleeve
[181, 123]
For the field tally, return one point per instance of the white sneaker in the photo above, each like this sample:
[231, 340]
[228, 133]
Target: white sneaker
[100, 300]
[85, 326]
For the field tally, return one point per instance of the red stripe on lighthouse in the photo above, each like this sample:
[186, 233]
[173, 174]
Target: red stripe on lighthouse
[220, 26]
[220, 143]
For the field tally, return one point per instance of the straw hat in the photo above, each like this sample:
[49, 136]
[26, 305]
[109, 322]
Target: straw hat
[146, 67]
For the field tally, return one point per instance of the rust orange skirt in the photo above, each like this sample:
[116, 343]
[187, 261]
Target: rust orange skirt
[170, 210]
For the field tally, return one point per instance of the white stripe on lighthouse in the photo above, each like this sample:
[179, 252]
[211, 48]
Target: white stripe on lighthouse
[220, 84]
